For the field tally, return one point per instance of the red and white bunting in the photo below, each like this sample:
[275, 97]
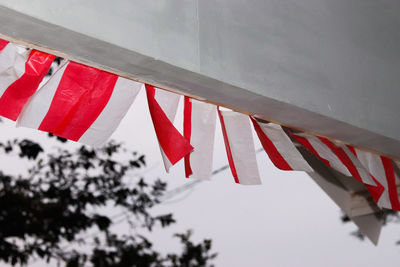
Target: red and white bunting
[350, 161]
[199, 129]
[163, 106]
[382, 169]
[321, 151]
[279, 147]
[341, 159]
[86, 104]
[80, 103]
[239, 146]
[21, 72]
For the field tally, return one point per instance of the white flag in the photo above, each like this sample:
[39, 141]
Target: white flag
[240, 147]
[279, 147]
[199, 129]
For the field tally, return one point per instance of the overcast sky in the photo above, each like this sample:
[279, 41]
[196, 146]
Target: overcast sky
[287, 221]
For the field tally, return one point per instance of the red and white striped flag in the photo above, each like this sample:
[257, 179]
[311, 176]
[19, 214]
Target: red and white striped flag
[341, 159]
[315, 145]
[199, 129]
[163, 106]
[239, 146]
[80, 103]
[279, 147]
[382, 169]
[21, 72]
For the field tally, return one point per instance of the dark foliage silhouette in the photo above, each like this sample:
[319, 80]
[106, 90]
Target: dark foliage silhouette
[56, 210]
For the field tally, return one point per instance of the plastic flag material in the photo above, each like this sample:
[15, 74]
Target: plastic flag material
[341, 159]
[355, 168]
[369, 224]
[239, 147]
[321, 151]
[382, 169]
[21, 72]
[279, 147]
[86, 104]
[351, 163]
[80, 103]
[199, 129]
[163, 106]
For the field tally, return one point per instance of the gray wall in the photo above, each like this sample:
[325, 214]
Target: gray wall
[328, 66]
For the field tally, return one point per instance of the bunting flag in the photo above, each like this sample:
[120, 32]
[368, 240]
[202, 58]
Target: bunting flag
[21, 71]
[239, 147]
[321, 151]
[280, 149]
[162, 107]
[382, 169]
[12, 64]
[85, 104]
[341, 159]
[199, 129]
[80, 103]
[355, 168]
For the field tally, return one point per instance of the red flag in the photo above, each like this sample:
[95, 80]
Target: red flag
[80, 103]
[172, 144]
[22, 71]
[381, 168]
[340, 159]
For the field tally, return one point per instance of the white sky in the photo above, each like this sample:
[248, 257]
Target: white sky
[287, 221]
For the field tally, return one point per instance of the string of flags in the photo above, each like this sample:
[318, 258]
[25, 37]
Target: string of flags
[85, 104]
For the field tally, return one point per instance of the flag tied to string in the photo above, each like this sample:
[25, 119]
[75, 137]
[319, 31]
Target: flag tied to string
[85, 104]
[239, 146]
[162, 107]
[199, 129]
[21, 71]
[80, 103]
